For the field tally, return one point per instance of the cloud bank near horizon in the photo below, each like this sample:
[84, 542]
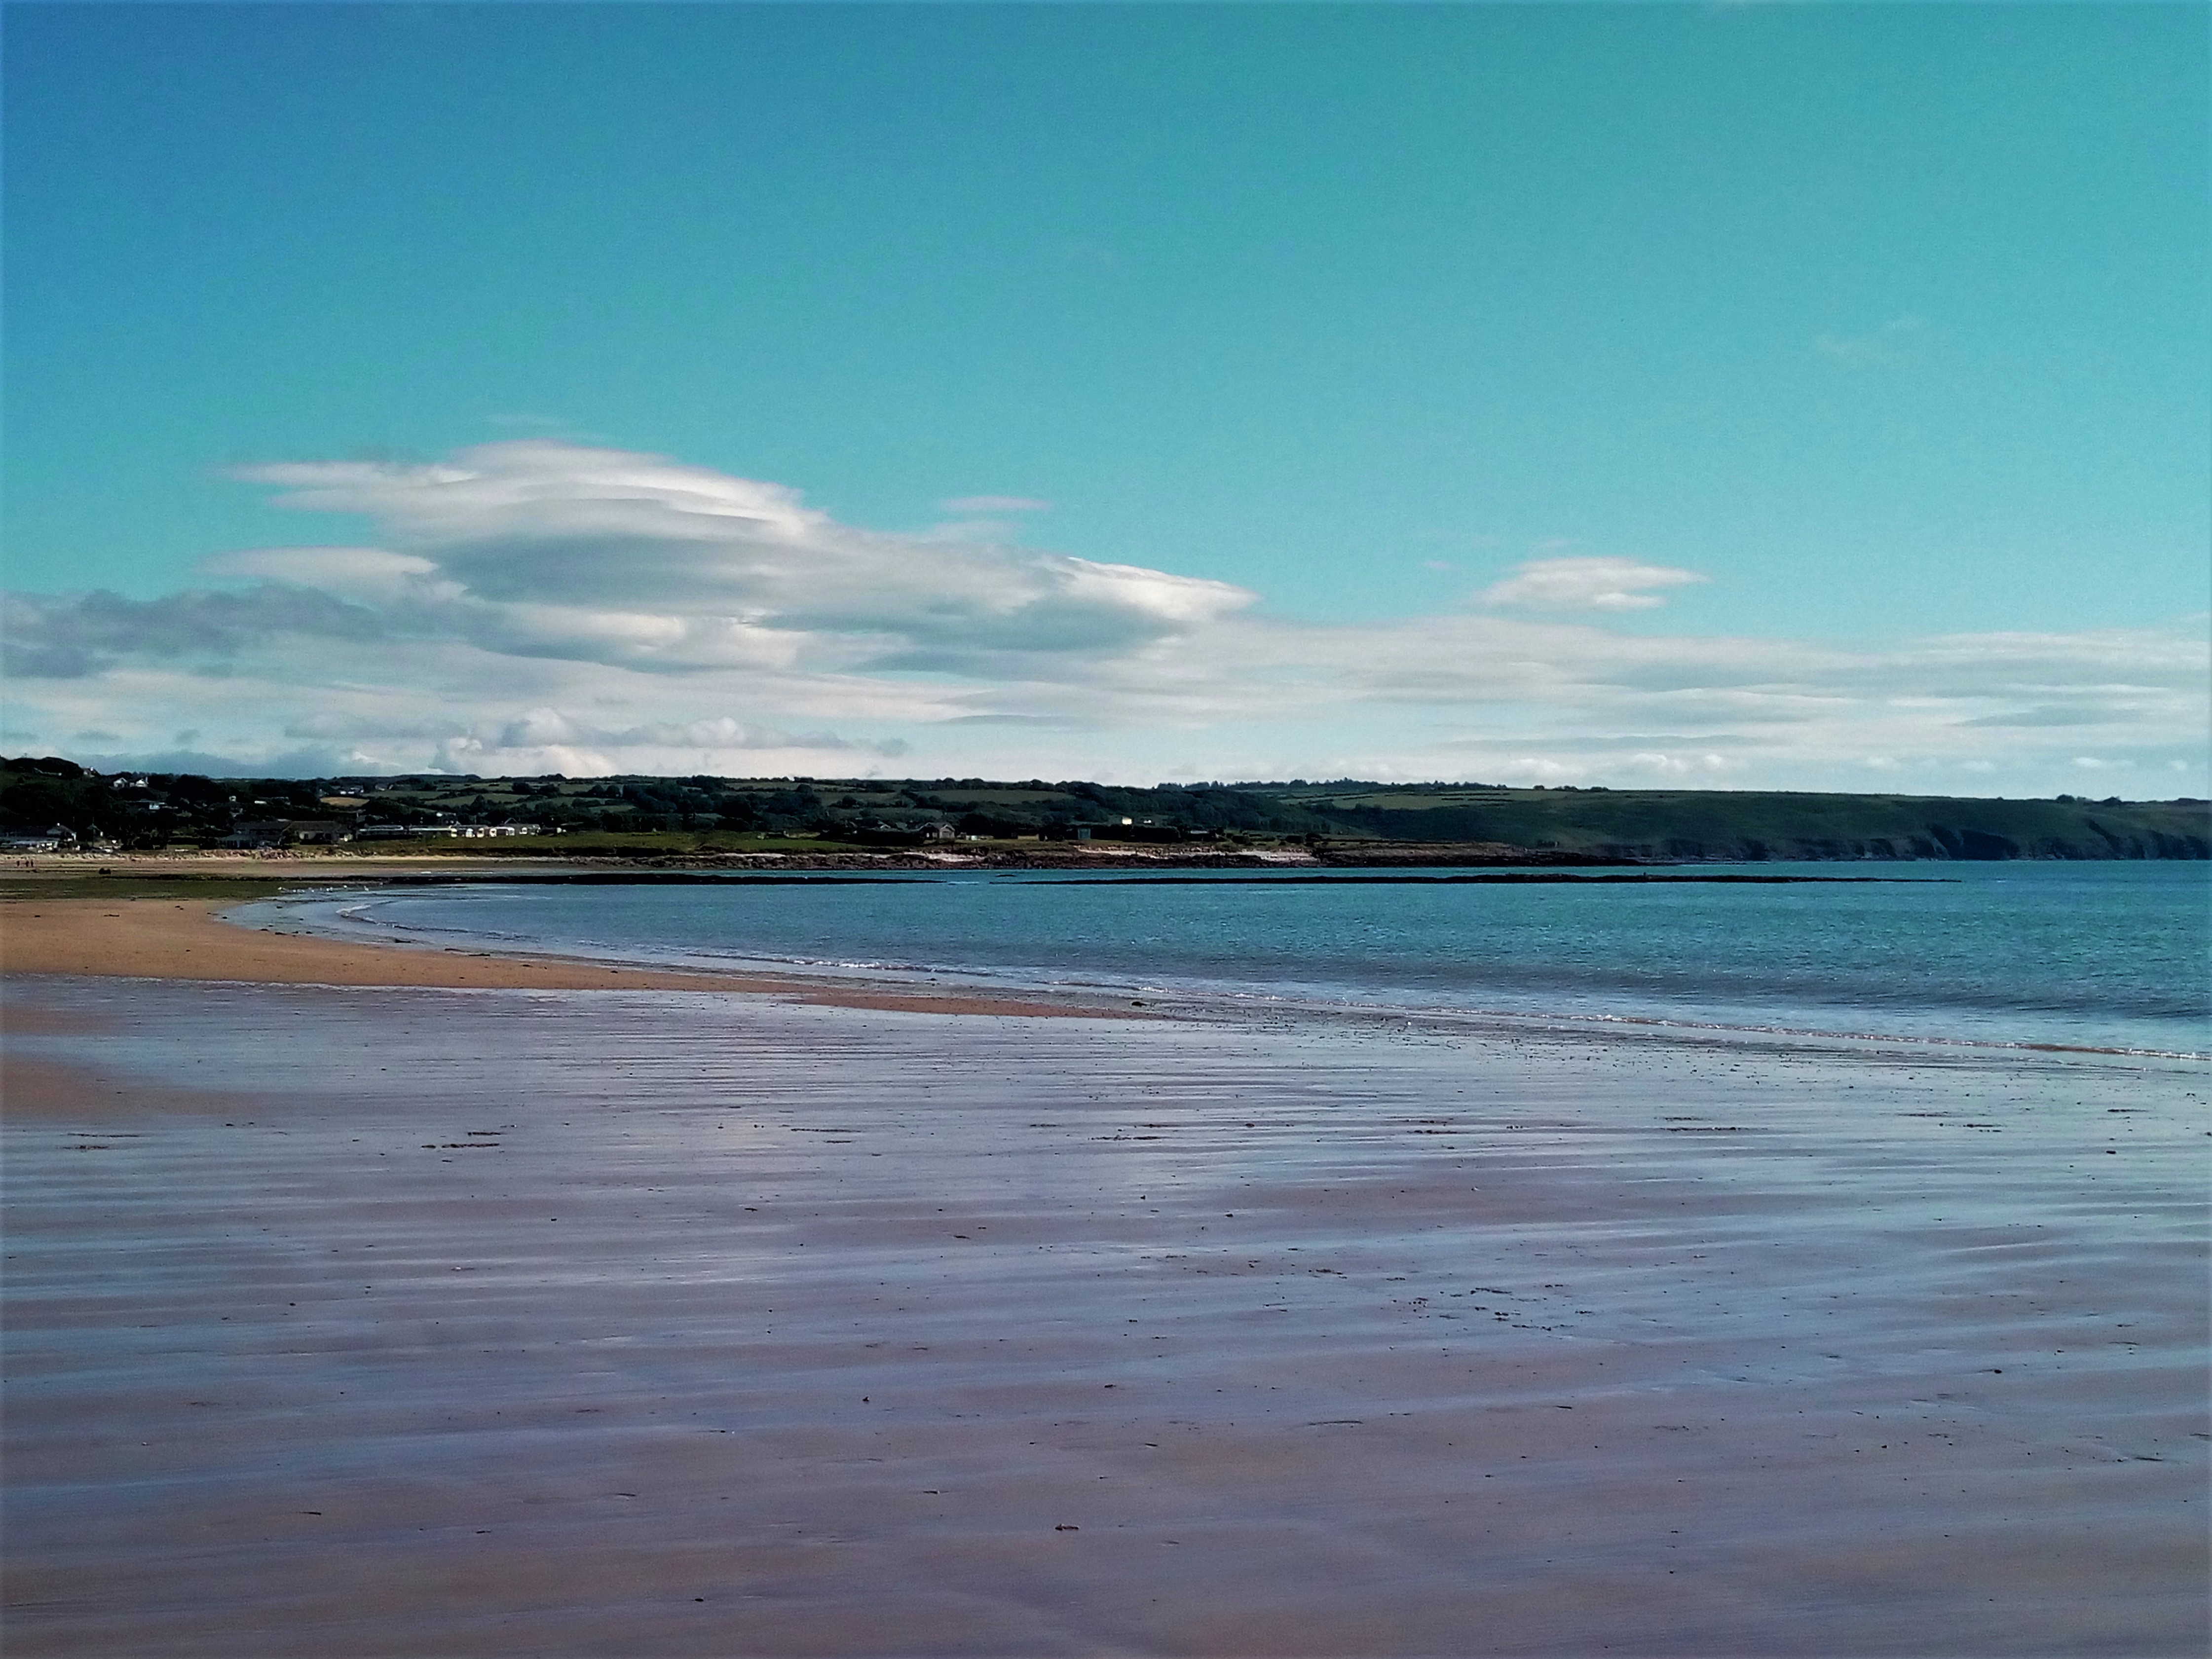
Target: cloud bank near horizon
[539, 605]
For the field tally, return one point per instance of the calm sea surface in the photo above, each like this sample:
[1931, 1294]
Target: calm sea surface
[2100, 954]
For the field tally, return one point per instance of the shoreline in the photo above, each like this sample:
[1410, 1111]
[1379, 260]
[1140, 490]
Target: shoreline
[327, 915]
[161, 928]
[184, 939]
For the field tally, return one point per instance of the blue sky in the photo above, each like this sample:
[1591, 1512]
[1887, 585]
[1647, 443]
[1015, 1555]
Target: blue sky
[1425, 328]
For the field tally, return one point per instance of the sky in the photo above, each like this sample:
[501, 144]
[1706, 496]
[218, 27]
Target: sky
[1735, 396]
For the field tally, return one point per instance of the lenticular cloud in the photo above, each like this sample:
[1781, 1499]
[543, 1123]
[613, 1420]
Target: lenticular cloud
[1586, 584]
[611, 556]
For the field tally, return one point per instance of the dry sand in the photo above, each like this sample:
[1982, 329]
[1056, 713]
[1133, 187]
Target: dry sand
[547, 1321]
[181, 938]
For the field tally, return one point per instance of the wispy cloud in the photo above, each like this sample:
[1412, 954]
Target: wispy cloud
[1585, 584]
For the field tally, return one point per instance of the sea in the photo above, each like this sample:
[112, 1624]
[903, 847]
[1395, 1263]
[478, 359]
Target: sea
[2095, 957]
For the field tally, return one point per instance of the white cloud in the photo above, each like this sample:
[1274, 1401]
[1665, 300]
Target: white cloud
[368, 573]
[1705, 767]
[1585, 584]
[543, 606]
[548, 740]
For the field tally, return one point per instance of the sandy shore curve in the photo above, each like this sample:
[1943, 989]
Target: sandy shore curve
[184, 938]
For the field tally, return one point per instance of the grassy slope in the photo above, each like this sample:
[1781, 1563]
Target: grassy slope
[1690, 824]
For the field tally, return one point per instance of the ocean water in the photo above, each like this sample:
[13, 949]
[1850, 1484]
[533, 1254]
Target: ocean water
[2110, 955]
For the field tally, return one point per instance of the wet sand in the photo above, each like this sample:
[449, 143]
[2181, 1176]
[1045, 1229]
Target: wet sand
[545, 1321]
[182, 939]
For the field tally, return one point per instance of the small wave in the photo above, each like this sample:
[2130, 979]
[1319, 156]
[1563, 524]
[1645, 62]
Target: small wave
[1820, 1032]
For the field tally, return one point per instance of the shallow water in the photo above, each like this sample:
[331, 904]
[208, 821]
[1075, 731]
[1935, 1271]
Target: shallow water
[2098, 956]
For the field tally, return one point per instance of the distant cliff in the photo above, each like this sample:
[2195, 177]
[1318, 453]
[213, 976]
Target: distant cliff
[1744, 826]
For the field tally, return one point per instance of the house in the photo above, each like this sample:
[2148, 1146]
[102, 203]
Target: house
[880, 834]
[286, 832]
[56, 838]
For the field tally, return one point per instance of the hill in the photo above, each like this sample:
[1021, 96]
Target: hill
[1746, 825]
[1344, 821]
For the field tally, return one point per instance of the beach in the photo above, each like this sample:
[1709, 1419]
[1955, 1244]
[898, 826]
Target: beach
[368, 1300]
[180, 939]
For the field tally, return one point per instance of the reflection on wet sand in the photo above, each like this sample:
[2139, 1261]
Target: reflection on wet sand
[421, 1322]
